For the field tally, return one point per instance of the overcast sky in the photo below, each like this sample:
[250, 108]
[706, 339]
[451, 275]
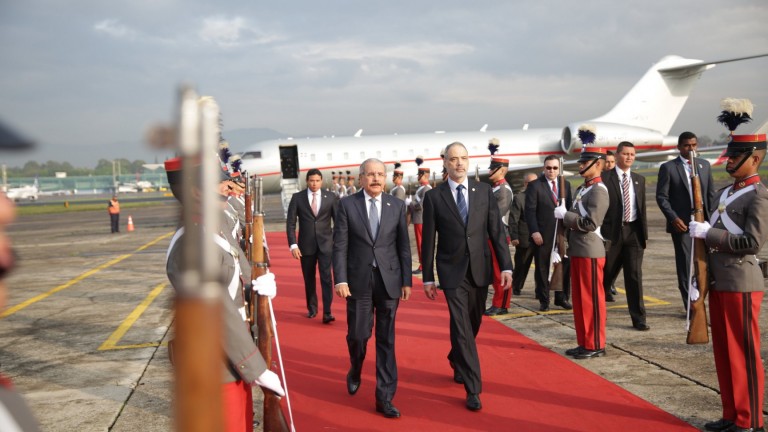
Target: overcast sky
[85, 78]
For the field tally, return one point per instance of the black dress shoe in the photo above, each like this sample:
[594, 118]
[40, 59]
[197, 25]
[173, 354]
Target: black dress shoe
[588, 354]
[473, 402]
[609, 298]
[574, 351]
[564, 304]
[416, 272]
[311, 314]
[516, 291]
[613, 290]
[353, 382]
[386, 408]
[491, 311]
[641, 326]
[328, 318]
[543, 307]
[718, 425]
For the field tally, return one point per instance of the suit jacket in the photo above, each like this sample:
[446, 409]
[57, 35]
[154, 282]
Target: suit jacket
[315, 232]
[518, 228]
[354, 248]
[733, 257]
[672, 191]
[460, 247]
[611, 229]
[539, 208]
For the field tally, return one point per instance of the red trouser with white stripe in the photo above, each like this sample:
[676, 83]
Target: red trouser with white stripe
[417, 234]
[237, 398]
[501, 297]
[736, 344]
[588, 301]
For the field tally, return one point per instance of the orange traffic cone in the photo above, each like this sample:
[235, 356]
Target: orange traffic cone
[130, 224]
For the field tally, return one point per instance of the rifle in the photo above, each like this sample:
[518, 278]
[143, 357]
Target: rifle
[273, 417]
[699, 279]
[556, 270]
[248, 231]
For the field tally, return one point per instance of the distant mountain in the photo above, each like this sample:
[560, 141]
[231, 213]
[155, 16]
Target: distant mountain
[239, 139]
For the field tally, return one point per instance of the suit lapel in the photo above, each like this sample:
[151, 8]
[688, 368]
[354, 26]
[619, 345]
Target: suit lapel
[472, 204]
[450, 203]
[361, 207]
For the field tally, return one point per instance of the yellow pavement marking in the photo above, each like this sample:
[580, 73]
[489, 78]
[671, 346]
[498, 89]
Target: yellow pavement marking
[122, 329]
[12, 310]
[649, 302]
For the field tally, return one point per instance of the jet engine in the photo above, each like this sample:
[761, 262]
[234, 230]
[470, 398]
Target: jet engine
[609, 135]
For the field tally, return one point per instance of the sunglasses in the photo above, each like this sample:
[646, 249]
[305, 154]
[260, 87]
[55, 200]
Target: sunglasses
[552, 168]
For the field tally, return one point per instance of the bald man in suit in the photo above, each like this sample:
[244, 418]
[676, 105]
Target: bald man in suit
[464, 215]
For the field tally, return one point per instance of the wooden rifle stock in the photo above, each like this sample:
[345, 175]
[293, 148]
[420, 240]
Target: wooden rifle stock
[273, 418]
[556, 270]
[698, 333]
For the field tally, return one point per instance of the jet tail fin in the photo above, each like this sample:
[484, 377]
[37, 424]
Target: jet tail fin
[657, 99]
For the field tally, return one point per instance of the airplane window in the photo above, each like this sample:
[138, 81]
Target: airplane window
[312, 157]
[346, 156]
[362, 155]
[378, 154]
[410, 152]
[394, 154]
[330, 156]
[252, 155]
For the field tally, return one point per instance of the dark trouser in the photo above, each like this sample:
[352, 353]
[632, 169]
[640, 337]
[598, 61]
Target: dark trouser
[308, 265]
[466, 304]
[114, 220]
[361, 308]
[541, 257]
[523, 260]
[626, 254]
[682, 243]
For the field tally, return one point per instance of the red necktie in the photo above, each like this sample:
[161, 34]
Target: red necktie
[554, 191]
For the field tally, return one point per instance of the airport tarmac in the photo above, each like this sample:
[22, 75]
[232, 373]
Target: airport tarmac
[89, 312]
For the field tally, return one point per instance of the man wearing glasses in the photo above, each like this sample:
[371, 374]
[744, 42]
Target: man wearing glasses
[540, 202]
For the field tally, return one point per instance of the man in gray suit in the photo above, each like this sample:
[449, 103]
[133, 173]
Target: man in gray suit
[372, 268]
[673, 194]
[315, 209]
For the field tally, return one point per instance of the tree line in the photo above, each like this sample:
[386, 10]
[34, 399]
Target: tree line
[103, 167]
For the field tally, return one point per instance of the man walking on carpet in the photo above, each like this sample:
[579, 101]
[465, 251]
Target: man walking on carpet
[464, 215]
[372, 269]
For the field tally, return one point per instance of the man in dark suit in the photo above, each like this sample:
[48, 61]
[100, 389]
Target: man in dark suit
[625, 230]
[673, 194]
[464, 214]
[540, 202]
[372, 267]
[315, 210]
[518, 234]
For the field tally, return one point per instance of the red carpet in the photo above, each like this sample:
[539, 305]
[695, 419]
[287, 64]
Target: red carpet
[526, 387]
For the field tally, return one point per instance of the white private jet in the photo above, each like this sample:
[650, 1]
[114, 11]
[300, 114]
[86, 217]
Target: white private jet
[644, 116]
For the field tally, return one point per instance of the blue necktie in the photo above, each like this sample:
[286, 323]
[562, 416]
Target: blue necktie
[461, 203]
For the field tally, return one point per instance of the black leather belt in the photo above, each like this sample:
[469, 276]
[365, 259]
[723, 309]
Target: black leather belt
[628, 223]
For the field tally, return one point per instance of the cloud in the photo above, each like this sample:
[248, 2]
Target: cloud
[424, 53]
[232, 32]
[114, 28]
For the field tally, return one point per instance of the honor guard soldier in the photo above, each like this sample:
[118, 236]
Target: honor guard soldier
[351, 189]
[734, 235]
[397, 178]
[503, 194]
[243, 365]
[586, 250]
[417, 211]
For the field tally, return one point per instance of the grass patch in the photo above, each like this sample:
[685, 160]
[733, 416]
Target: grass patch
[80, 207]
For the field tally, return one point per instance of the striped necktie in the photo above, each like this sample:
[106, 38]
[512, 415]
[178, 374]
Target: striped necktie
[461, 203]
[625, 193]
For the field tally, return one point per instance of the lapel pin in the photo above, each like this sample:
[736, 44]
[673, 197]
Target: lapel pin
[387, 204]
[473, 189]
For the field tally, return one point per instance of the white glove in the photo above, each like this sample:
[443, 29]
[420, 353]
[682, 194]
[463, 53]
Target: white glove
[560, 211]
[408, 200]
[265, 285]
[271, 381]
[699, 230]
[555, 257]
[693, 290]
